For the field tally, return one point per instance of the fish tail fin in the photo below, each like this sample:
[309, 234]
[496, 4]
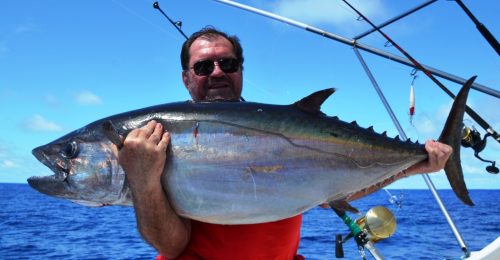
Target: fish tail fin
[452, 135]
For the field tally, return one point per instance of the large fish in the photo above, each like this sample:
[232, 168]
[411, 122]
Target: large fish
[243, 162]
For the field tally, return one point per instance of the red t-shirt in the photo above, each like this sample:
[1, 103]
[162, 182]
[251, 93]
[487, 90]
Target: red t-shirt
[273, 240]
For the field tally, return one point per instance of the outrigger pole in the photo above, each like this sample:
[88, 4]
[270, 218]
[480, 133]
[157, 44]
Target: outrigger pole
[409, 62]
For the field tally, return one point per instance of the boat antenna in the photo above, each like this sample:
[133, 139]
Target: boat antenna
[481, 28]
[177, 24]
[418, 66]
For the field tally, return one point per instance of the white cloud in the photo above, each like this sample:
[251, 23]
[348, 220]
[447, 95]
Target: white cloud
[87, 98]
[8, 164]
[39, 123]
[328, 11]
[425, 125]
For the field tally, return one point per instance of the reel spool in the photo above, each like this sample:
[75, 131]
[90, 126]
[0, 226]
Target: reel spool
[379, 222]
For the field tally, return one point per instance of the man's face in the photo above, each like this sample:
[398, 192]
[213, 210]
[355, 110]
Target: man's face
[218, 85]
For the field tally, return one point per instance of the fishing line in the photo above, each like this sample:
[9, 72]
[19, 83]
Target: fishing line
[131, 12]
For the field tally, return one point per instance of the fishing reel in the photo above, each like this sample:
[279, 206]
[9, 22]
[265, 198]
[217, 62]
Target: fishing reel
[472, 138]
[377, 224]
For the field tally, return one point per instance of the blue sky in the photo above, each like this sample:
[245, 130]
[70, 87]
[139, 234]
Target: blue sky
[66, 64]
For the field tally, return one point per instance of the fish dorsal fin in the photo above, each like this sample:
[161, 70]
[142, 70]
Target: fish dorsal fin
[312, 103]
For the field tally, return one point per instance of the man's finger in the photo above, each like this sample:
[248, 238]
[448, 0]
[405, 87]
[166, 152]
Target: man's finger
[147, 130]
[157, 133]
[165, 140]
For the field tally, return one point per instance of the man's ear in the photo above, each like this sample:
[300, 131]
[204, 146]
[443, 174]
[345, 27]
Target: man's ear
[185, 78]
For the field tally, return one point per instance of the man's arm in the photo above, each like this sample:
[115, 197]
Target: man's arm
[143, 159]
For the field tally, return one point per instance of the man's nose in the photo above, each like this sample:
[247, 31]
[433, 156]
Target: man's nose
[217, 71]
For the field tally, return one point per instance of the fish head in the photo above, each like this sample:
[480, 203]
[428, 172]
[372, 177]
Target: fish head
[85, 167]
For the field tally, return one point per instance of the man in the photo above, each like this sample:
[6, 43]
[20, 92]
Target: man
[212, 70]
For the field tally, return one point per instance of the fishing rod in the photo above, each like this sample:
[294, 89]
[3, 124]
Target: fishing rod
[481, 28]
[177, 24]
[469, 111]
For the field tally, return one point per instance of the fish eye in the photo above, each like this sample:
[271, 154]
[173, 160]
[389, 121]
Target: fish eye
[70, 150]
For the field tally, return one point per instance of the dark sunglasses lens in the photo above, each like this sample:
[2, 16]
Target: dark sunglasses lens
[229, 65]
[203, 68]
[206, 67]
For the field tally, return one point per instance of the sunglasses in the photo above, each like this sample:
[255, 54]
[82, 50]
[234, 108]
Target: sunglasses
[206, 67]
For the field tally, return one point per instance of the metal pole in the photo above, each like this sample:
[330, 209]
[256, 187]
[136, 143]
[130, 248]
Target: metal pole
[364, 47]
[426, 177]
[395, 19]
[447, 216]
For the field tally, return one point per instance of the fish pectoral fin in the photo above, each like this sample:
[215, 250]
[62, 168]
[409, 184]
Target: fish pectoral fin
[88, 203]
[112, 134]
[343, 205]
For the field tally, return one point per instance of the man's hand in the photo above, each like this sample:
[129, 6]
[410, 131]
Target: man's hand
[142, 157]
[438, 156]
[144, 153]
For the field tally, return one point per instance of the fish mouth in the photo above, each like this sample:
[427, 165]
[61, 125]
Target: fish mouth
[55, 184]
[49, 185]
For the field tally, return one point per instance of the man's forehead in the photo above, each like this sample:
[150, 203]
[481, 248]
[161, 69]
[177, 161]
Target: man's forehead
[205, 40]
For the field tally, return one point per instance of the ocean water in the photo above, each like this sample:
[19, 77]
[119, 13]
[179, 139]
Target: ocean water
[35, 226]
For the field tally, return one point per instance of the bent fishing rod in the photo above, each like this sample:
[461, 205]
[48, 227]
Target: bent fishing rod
[418, 66]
